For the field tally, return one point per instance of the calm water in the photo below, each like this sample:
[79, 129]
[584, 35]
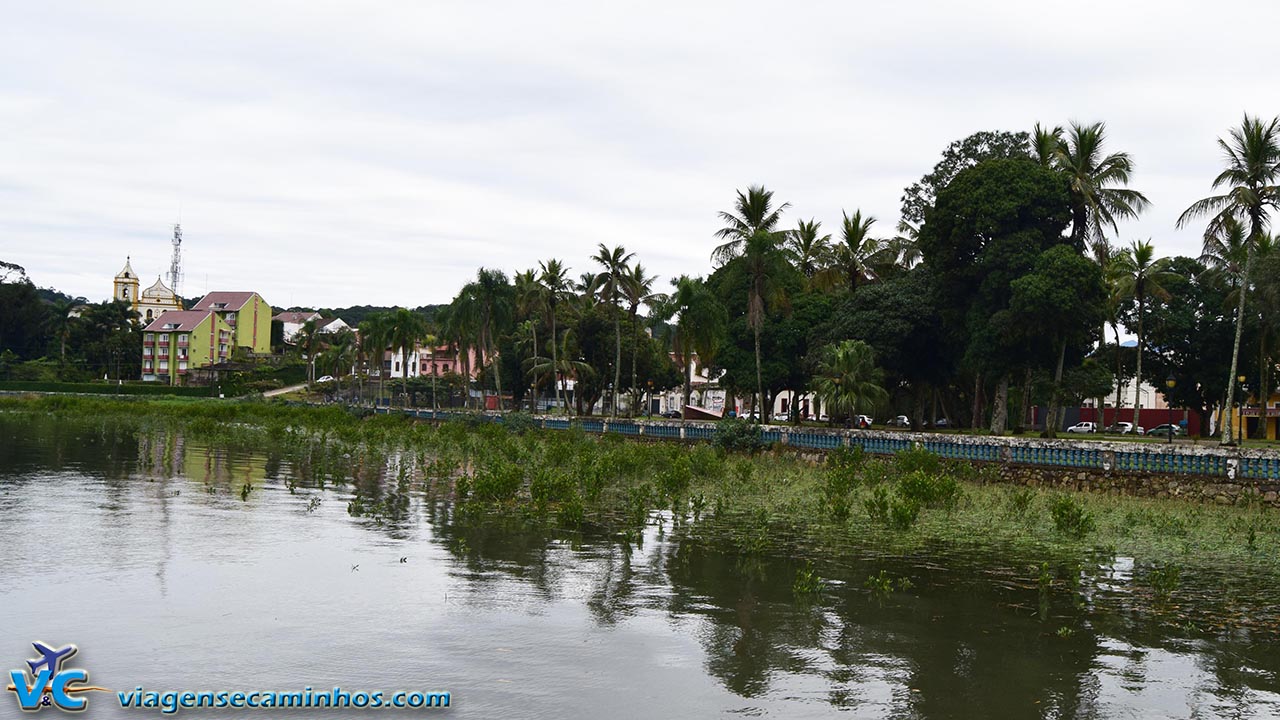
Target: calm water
[175, 579]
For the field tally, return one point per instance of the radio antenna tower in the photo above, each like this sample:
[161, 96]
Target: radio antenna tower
[175, 267]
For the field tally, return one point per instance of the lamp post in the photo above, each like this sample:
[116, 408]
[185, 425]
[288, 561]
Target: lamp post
[649, 398]
[1170, 382]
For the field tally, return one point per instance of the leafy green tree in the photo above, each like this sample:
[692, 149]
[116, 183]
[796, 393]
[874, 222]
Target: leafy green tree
[374, 339]
[1188, 337]
[700, 323]
[1061, 300]
[987, 229]
[1251, 181]
[492, 298]
[1141, 276]
[848, 381]
[23, 317]
[958, 156]
[611, 286]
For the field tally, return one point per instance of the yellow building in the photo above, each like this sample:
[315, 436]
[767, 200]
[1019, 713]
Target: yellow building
[248, 315]
[180, 341]
[1253, 413]
[149, 304]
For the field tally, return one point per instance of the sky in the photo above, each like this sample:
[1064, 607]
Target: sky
[328, 154]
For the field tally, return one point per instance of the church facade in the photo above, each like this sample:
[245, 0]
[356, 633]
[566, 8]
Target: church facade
[149, 304]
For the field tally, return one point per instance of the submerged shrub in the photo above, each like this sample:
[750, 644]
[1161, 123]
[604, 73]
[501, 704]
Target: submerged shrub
[918, 459]
[1070, 518]
[519, 422]
[738, 435]
[929, 490]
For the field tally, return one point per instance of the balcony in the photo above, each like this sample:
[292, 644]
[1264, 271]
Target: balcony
[148, 343]
[183, 343]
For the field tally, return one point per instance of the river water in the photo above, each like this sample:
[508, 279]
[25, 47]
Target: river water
[173, 576]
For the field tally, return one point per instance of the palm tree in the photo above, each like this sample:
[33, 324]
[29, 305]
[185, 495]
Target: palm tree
[340, 355]
[905, 246]
[753, 213]
[530, 304]
[807, 250]
[1045, 143]
[610, 283]
[761, 259]
[637, 288]
[374, 339]
[1140, 275]
[554, 280]
[309, 340]
[1250, 179]
[858, 256]
[700, 322]
[494, 301]
[848, 380]
[405, 329]
[1097, 200]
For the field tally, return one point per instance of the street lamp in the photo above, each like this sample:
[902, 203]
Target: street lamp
[1170, 382]
[649, 398]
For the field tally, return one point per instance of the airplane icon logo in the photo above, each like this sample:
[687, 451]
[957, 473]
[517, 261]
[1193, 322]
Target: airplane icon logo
[48, 683]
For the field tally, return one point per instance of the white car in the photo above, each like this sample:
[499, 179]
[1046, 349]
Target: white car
[863, 421]
[1083, 427]
[324, 379]
[1125, 428]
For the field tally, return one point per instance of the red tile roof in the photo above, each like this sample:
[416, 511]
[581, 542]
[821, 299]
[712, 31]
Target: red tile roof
[186, 321]
[231, 300]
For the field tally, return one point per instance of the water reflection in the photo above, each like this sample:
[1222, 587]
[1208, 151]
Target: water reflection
[170, 548]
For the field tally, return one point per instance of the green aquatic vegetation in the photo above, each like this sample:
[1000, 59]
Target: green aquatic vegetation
[807, 582]
[1070, 517]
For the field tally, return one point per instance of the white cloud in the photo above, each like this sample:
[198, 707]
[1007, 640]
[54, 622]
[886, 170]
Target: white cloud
[337, 153]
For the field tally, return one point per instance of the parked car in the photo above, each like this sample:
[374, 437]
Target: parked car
[941, 423]
[670, 414]
[325, 379]
[1166, 429]
[1083, 427]
[1125, 428]
[863, 421]
[901, 421]
[780, 417]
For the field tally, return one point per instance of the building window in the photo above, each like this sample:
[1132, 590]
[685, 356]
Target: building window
[182, 338]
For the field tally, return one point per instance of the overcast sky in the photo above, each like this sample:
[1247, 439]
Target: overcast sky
[330, 154]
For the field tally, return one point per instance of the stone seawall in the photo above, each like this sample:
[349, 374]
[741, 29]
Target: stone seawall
[1144, 484]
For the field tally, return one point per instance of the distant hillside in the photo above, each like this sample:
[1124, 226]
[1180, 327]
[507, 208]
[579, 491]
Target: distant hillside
[354, 314]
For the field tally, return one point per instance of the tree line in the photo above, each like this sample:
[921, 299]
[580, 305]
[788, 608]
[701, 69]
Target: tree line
[1004, 285]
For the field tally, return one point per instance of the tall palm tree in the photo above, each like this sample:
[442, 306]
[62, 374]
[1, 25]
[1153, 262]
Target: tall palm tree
[406, 329]
[905, 245]
[1140, 276]
[637, 288]
[700, 323]
[494, 300]
[340, 355]
[309, 341]
[753, 213]
[555, 283]
[1098, 198]
[848, 380]
[858, 257]
[807, 249]
[762, 259]
[531, 306]
[1250, 181]
[611, 281]
[373, 341]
